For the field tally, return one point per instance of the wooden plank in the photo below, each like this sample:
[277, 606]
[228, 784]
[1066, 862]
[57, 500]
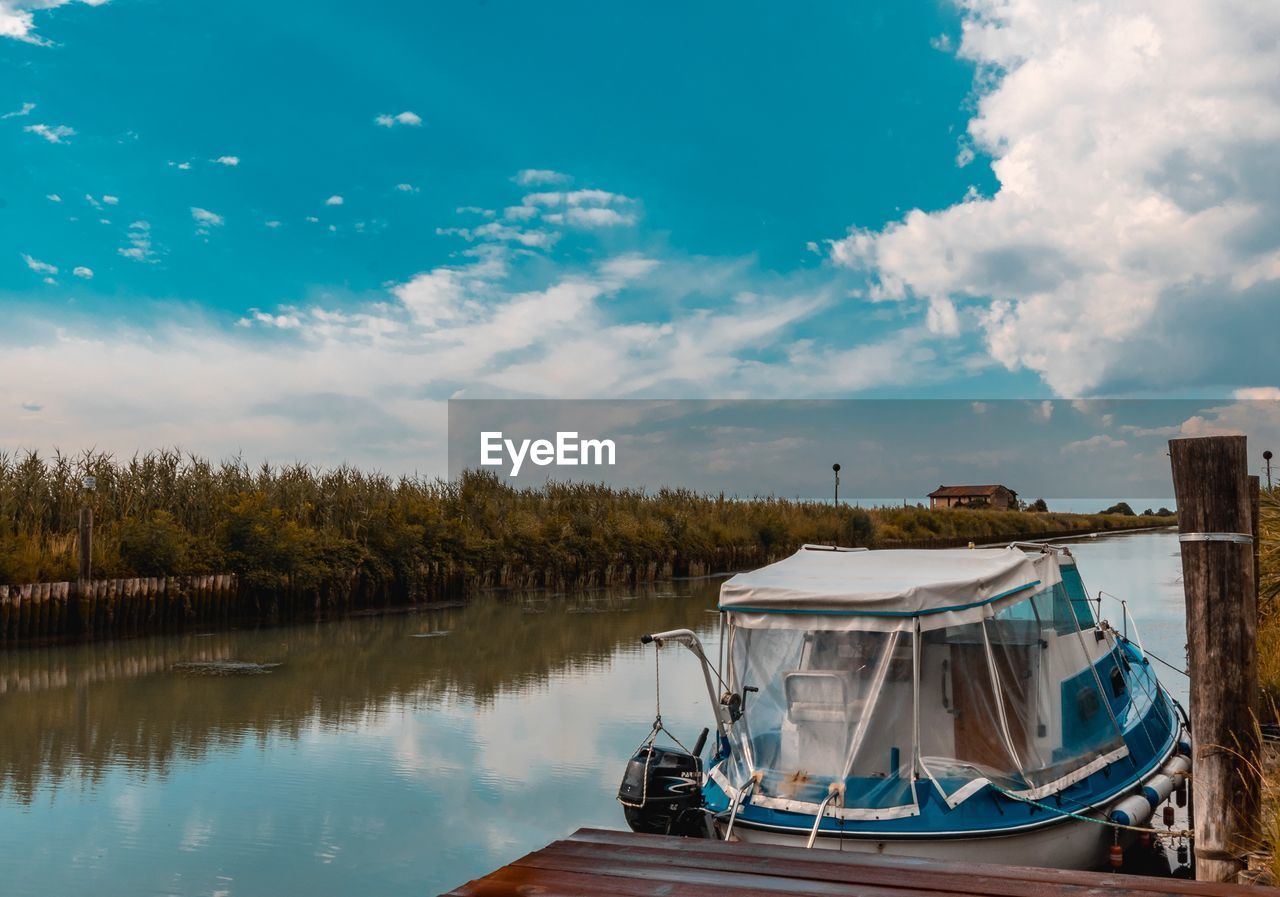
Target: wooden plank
[726, 879]
[512, 880]
[886, 880]
[1041, 876]
[599, 862]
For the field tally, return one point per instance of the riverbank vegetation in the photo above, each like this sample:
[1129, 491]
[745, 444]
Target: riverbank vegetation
[298, 527]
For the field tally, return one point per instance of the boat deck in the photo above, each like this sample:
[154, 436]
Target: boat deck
[595, 862]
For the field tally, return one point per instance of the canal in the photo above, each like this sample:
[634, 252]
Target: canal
[379, 755]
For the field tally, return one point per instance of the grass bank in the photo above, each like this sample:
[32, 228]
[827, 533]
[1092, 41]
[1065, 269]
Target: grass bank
[395, 540]
[1269, 671]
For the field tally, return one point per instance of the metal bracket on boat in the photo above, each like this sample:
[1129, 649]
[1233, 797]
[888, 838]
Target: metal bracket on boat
[741, 799]
[1237, 538]
[691, 641]
[836, 789]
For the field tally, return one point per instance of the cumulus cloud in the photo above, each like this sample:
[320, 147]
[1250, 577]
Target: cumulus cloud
[540, 177]
[51, 133]
[406, 188]
[334, 200]
[585, 209]
[110, 200]
[1096, 443]
[83, 272]
[140, 248]
[594, 217]
[53, 197]
[1137, 210]
[205, 217]
[16, 20]
[229, 161]
[412, 119]
[38, 266]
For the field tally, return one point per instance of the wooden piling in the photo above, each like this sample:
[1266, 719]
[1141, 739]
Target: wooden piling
[1215, 523]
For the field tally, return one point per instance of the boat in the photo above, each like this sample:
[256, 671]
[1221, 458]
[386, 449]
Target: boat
[956, 704]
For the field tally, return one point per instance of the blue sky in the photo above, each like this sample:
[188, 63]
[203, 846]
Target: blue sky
[293, 230]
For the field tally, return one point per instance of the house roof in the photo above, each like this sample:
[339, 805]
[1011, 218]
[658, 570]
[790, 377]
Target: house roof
[968, 491]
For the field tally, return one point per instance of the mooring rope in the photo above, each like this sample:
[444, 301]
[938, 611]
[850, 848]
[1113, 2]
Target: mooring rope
[1174, 833]
[648, 743]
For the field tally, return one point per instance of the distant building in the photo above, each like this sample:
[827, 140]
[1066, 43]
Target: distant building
[994, 496]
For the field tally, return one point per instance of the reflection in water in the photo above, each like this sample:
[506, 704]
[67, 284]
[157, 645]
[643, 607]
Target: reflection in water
[370, 760]
[364, 740]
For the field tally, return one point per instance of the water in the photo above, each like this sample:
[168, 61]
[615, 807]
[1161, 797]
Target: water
[373, 761]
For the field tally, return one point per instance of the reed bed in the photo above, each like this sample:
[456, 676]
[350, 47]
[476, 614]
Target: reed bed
[298, 537]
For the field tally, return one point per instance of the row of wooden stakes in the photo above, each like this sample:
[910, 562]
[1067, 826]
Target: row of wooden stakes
[37, 612]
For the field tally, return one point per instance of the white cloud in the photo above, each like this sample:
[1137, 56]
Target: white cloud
[181, 166]
[38, 266]
[404, 118]
[406, 188]
[597, 217]
[140, 247]
[586, 209]
[110, 200]
[540, 177]
[229, 161]
[205, 218]
[1258, 393]
[53, 197]
[19, 113]
[1096, 443]
[312, 219]
[82, 271]
[16, 20]
[272, 224]
[334, 200]
[1137, 211]
[51, 133]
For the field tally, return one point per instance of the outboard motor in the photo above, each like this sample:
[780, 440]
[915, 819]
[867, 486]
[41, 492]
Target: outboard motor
[661, 791]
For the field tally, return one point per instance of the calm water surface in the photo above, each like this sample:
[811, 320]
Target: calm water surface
[382, 756]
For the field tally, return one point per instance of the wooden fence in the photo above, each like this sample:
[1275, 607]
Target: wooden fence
[47, 611]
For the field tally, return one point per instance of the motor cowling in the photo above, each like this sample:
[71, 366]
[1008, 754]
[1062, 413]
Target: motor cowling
[661, 792]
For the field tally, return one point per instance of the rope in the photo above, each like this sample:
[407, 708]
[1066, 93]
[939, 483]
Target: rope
[648, 743]
[1163, 661]
[1176, 833]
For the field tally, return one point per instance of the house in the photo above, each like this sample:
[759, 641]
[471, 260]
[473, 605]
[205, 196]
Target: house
[994, 496]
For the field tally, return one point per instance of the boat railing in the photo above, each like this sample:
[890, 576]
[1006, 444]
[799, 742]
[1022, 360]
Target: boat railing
[1128, 624]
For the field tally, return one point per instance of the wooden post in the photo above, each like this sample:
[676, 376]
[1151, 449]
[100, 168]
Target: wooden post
[1215, 523]
[86, 542]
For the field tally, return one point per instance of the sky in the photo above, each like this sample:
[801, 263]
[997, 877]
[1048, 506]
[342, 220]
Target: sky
[292, 232]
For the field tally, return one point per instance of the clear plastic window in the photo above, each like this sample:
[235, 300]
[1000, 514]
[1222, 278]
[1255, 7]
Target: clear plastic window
[831, 707]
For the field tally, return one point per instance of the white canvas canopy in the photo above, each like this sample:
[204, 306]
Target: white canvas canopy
[883, 590]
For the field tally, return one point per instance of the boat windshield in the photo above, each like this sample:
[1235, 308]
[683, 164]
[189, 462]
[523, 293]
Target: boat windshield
[1014, 699]
[832, 707]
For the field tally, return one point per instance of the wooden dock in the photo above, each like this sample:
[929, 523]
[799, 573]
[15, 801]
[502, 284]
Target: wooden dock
[597, 863]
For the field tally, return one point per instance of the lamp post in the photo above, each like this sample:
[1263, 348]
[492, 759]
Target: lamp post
[835, 468]
[1267, 456]
[86, 529]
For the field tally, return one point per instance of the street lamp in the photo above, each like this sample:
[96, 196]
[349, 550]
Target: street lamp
[89, 482]
[835, 468]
